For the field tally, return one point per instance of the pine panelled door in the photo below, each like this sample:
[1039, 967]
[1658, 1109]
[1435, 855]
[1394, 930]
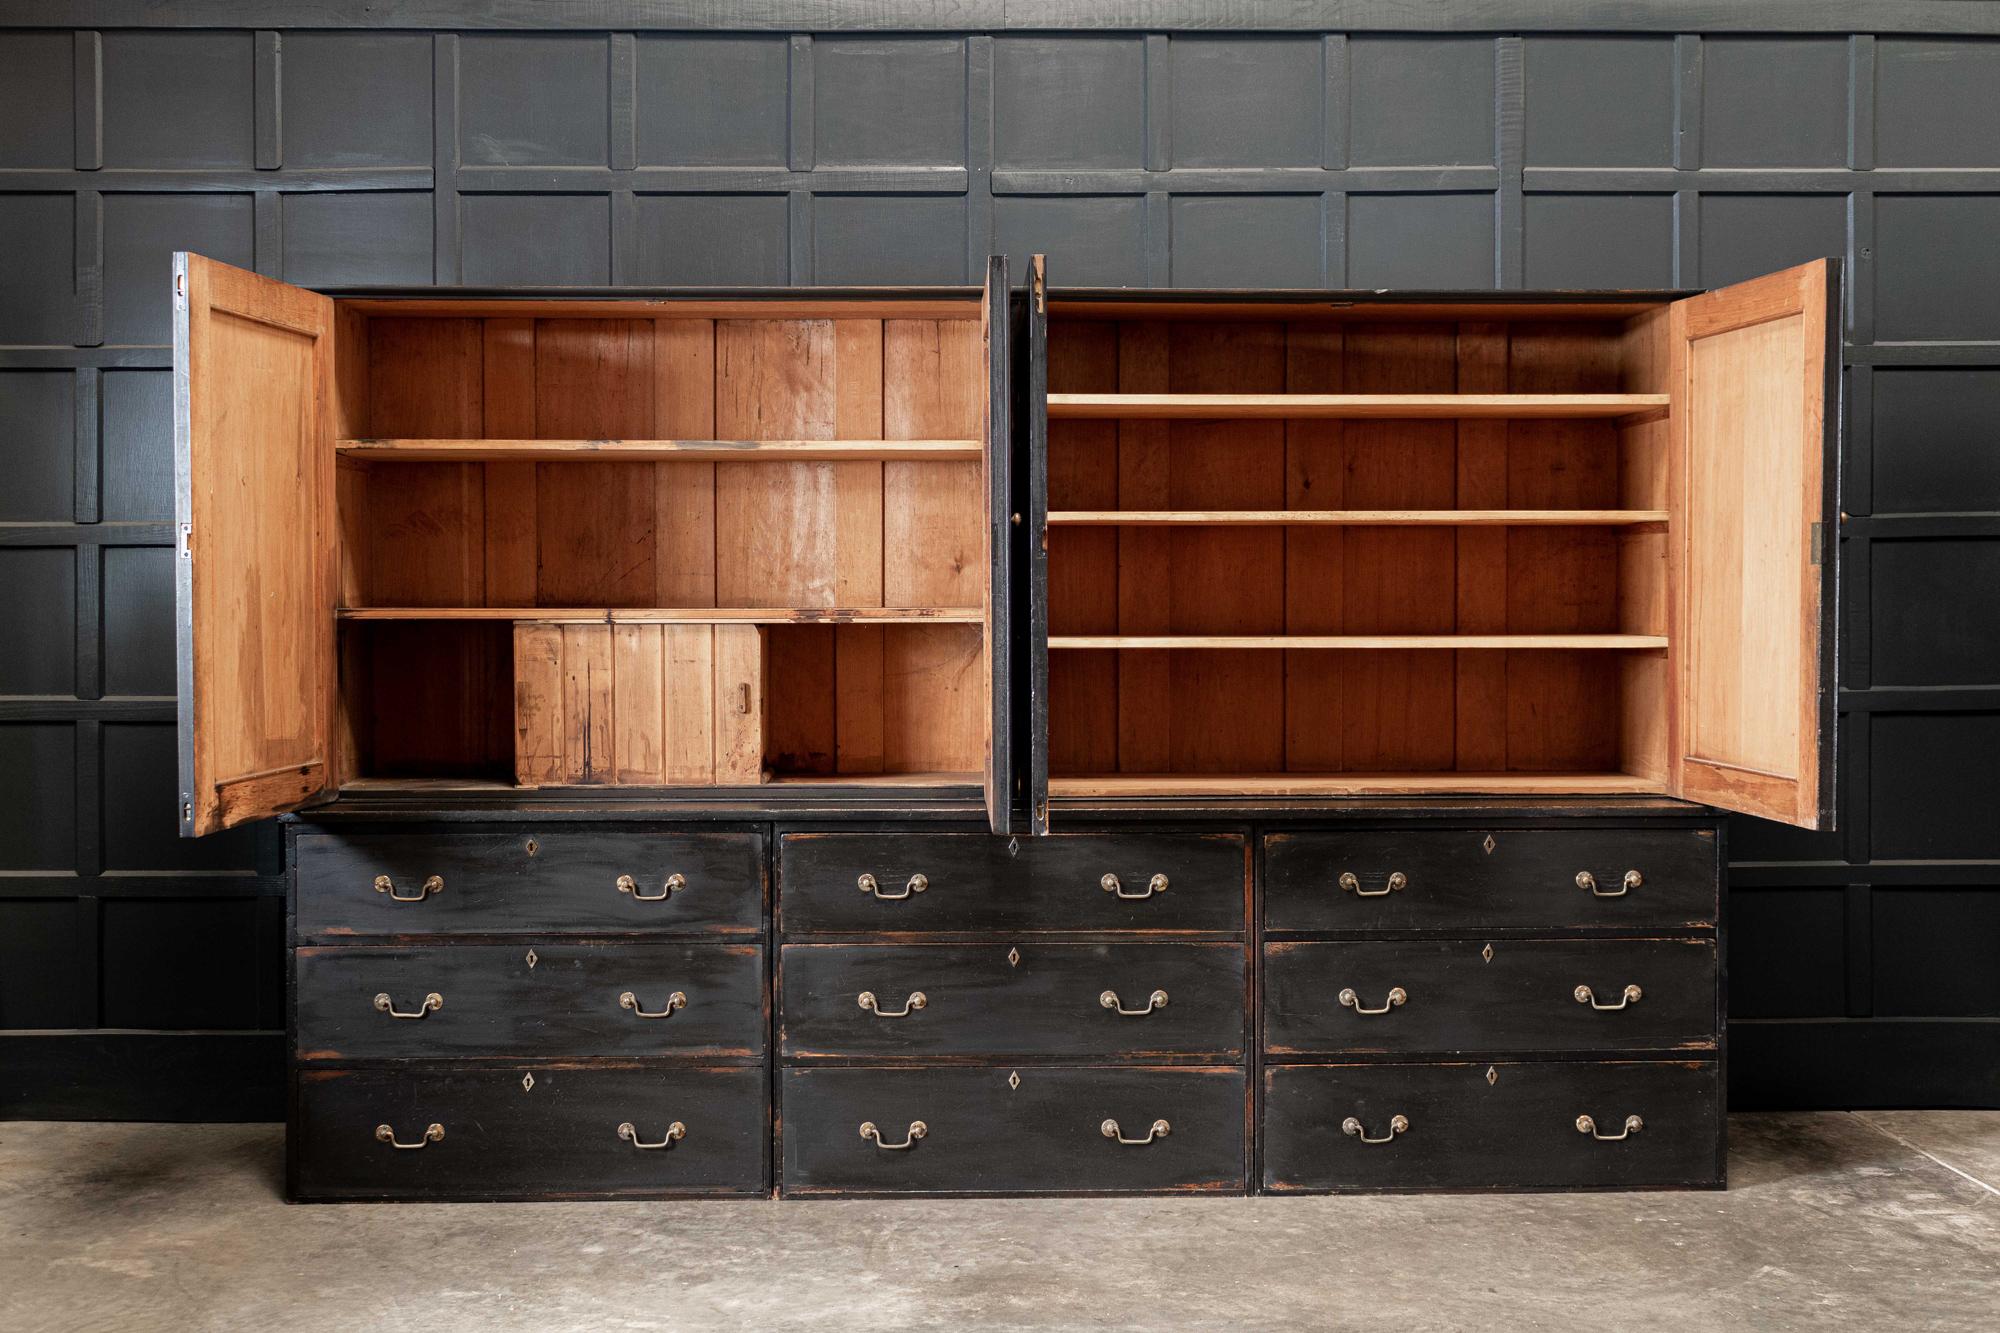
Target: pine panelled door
[993, 740]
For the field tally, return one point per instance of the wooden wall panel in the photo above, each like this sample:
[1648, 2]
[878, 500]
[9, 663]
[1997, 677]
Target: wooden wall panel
[684, 498]
[594, 521]
[1480, 709]
[1316, 688]
[933, 514]
[512, 527]
[1083, 562]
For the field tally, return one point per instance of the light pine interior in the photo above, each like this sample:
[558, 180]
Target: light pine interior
[791, 583]
[1274, 594]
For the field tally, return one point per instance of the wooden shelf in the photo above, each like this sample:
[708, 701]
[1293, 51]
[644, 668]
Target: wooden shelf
[1365, 406]
[1353, 784]
[679, 615]
[1360, 641]
[658, 451]
[1379, 518]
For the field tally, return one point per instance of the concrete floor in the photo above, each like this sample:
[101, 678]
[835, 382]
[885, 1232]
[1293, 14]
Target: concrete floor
[1874, 1221]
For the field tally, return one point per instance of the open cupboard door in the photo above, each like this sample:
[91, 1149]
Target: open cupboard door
[996, 317]
[1755, 480]
[1038, 544]
[253, 474]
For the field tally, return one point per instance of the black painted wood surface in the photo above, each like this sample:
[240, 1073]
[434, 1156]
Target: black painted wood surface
[1016, 885]
[530, 879]
[1002, 1000]
[1451, 881]
[1521, 998]
[1494, 1125]
[540, 999]
[988, 1134]
[547, 1131]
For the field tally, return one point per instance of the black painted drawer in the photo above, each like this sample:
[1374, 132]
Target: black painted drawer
[522, 880]
[975, 882]
[1446, 879]
[985, 1133]
[999, 1000]
[506, 1136]
[1522, 996]
[531, 1000]
[1515, 1128]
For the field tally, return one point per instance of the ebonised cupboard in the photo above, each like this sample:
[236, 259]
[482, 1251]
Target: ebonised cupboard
[953, 741]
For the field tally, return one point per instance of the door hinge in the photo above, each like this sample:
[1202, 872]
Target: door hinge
[1819, 543]
[187, 541]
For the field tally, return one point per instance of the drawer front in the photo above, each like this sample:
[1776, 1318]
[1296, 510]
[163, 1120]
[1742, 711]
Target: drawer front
[506, 1136]
[1500, 995]
[999, 1000]
[1012, 1131]
[1332, 1127]
[523, 880]
[1446, 879]
[868, 883]
[531, 1000]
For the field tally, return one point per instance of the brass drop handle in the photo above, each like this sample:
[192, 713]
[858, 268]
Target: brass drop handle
[1110, 884]
[433, 1133]
[917, 1000]
[1160, 1130]
[1157, 1000]
[675, 1133]
[1632, 880]
[678, 1000]
[1584, 995]
[1353, 1129]
[435, 884]
[674, 884]
[1352, 883]
[1397, 995]
[1633, 1124]
[869, 885]
[916, 1131]
[431, 1002]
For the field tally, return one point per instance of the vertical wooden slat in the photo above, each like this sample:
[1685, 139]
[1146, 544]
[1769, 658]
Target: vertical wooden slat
[933, 386]
[1083, 561]
[858, 698]
[688, 713]
[933, 701]
[588, 711]
[509, 414]
[539, 728]
[1481, 709]
[1145, 718]
[1315, 478]
[594, 521]
[684, 493]
[638, 700]
[739, 704]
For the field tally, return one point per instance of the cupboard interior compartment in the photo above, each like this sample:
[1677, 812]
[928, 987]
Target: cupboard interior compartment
[669, 543]
[1338, 604]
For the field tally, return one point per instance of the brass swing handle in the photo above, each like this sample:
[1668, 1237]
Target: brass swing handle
[431, 1003]
[435, 884]
[916, 1000]
[674, 884]
[433, 1133]
[1111, 884]
[871, 886]
[678, 1000]
[1397, 995]
[916, 1131]
[1631, 995]
[1353, 1129]
[1352, 883]
[1632, 880]
[1633, 1124]
[1159, 1130]
[630, 1133]
[1157, 1000]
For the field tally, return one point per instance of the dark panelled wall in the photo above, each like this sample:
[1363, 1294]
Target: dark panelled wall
[1650, 144]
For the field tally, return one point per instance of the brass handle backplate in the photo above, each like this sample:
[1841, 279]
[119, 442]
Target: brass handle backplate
[433, 1133]
[1157, 1000]
[1353, 1129]
[1585, 1125]
[1160, 1130]
[916, 1000]
[431, 1003]
[630, 1133]
[870, 885]
[1396, 882]
[674, 884]
[916, 1131]
[1584, 995]
[1397, 995]
[1632, 880]
[384, 884]
[678, 1000]
[1111, 884]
